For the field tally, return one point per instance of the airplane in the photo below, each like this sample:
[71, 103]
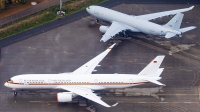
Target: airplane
[82, 82]
[121, 22]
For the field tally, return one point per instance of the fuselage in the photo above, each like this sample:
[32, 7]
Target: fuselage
[132, 22]
[93, 81]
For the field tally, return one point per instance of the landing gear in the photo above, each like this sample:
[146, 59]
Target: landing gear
[93, 22]
[124, 34]
[15, 93]
[97, 20]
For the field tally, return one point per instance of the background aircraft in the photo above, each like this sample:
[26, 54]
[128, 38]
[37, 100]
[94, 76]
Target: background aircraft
[82, 82]
[121, 22]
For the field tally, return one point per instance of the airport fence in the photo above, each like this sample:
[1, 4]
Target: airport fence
[39, 7]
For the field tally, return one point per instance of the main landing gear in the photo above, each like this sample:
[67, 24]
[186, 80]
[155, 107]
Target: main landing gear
[14, 93]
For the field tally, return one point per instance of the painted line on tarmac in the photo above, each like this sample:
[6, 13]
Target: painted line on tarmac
[186, 102]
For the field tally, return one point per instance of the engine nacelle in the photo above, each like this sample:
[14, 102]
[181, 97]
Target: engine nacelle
[103, 29]
[64, 97]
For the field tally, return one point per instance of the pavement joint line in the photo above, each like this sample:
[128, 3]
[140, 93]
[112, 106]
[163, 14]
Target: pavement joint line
[199, 92]
[125, 93]
[164, 102]
[190, 54]
[141, 102]
[185, 70]
[39, 101]
[187, 102]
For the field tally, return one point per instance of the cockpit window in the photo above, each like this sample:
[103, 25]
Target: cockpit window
[10, 80]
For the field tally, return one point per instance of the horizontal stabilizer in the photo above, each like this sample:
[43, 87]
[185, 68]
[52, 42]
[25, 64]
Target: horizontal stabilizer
[155, 82]
[169, 35]
[187, 29]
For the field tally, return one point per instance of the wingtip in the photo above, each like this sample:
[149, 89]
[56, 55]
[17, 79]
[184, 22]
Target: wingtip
[115, 104]
[112, 46]
[191, 7]
[103, 40]
[194, 27]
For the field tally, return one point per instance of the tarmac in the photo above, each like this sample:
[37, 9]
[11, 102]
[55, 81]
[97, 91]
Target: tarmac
[63, 48]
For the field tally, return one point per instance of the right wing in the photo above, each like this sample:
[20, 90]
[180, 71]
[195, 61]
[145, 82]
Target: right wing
[114, 29]
[162, 14]
[88, 67]
[87, 93]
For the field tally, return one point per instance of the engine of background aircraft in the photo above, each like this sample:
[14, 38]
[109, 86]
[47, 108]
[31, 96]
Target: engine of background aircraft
[103, 28]
[64, 97]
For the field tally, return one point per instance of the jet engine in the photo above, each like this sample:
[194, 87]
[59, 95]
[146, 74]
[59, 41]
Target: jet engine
[64, 97]
[180, 35]
[103, 29]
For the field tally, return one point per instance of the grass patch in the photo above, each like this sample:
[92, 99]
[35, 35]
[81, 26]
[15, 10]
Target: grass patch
[46, 16]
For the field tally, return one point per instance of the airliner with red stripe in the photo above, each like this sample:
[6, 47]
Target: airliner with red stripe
[82, 82]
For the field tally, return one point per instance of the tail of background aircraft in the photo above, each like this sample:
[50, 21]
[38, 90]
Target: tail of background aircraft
[152, 69]
[175, 24]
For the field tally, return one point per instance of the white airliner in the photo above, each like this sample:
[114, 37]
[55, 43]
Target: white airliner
[82, 82]
[121, 22]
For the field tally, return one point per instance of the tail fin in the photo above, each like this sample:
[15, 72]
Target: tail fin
[175, 22]
[152, 69]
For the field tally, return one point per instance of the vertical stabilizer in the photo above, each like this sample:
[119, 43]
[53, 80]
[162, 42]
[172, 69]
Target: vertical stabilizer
[175, 22]
[152, 69]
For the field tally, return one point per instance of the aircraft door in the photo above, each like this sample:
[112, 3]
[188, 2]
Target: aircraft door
[152, 31]
[49, 82]
[130, 81]
[161, 32]
[20, 81]
[96, 82]
[25, 82]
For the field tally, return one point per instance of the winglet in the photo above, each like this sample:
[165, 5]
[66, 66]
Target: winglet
[115, 104]
[190, 8]
[111, 46]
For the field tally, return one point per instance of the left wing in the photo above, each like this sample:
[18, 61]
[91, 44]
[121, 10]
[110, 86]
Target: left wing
[114, 29]
[88, 67]
[161, 14]
[87, 93]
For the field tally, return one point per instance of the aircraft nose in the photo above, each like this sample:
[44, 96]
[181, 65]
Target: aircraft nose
[6, 84]
[87, 9]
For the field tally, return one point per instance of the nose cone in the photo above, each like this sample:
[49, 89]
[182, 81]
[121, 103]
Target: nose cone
[87, 9]
[6, 84]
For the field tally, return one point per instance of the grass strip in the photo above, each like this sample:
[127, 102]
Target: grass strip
[46, 16]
